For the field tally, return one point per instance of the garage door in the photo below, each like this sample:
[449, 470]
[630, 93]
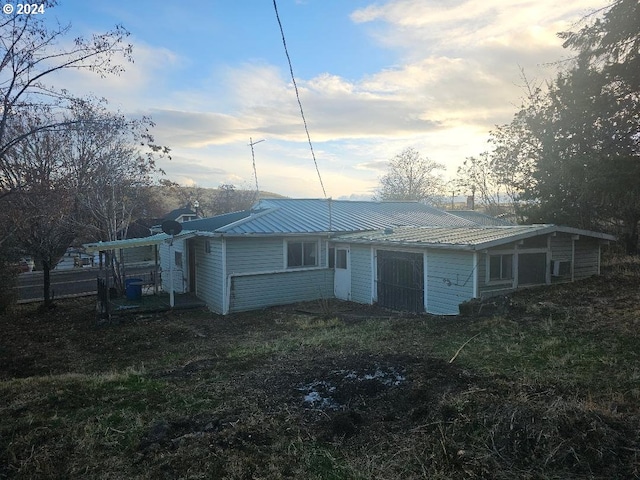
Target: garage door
[400, 280]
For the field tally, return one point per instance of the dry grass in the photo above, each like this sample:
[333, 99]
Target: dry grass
[548, 389]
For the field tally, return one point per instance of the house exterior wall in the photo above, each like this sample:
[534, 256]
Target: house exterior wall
[582, 255]
[209, 275]
[450, 279]
[258, 276]
[487, 288]
[238, 273]
[250, 292]
[361, 274]
[586, 258]
[254, 254]
[561, 250]
[168, 254]
[539, 245]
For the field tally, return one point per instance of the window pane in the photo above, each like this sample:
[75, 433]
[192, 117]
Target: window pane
[310, 252]
[294, 254]
[332, 256]
[507, 267]
[341, 258]
[494, 267]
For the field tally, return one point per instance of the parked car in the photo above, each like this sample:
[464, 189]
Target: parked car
[26, 264]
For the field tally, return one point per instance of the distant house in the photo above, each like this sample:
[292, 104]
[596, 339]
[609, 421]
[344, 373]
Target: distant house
[401, 255]
[181, 215]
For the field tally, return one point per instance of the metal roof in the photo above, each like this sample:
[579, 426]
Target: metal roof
[326, 215]
[410, 223]
[212, 223]
[465, 238]
[481, 218]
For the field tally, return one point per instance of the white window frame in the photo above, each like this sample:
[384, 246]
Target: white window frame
[501, 281]
[302, 241]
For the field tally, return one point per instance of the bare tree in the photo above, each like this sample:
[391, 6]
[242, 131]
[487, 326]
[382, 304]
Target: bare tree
[30, 52]
[410, 177]
[42, 210]
[113, 162]
[230, 199]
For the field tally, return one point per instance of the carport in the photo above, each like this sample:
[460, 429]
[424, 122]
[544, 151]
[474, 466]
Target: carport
[113, 272]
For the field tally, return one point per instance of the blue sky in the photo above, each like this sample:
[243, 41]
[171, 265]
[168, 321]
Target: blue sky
[375, 77]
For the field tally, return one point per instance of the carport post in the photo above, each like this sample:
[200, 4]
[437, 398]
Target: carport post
[171, 260]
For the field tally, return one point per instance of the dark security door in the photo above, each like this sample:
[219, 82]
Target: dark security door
[532, 268]
[400, 280]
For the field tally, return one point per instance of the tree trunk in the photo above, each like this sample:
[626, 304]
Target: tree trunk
[46, 284]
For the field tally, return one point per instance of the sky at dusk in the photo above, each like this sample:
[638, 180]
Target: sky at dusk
[374, 77]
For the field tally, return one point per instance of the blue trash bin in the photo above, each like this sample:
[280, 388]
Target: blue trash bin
[133, 288]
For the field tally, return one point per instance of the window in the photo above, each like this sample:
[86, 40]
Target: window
[332, 257]
[341, 258]
[500, 267]
[178, 259]
[207, 246]
[302, 254]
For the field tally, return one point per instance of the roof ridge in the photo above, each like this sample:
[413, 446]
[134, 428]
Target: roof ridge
[251, 217]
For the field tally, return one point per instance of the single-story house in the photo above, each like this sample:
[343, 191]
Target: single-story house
[401, 255]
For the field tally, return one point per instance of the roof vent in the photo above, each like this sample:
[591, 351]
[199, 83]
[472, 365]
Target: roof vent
[388, 231]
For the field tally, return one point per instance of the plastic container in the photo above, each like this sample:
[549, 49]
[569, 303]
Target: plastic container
[133, 288]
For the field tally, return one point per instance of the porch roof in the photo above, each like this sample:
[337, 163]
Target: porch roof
[156, 239]
[461, 238]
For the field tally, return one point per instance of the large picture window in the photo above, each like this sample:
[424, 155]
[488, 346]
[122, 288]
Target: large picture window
[501, 267]
[302, 254]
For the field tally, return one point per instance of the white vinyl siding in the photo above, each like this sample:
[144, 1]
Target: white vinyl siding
[179, 271]
[250, 292]
[254, 254]
[449, 280]
[361, 281]
[209, 273]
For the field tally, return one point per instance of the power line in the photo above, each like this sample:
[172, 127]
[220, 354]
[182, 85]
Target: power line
[295, 86]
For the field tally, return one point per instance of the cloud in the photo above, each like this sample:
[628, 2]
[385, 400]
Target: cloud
[376, 165]
[189, 129]
[456, 72]
[136, 87]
